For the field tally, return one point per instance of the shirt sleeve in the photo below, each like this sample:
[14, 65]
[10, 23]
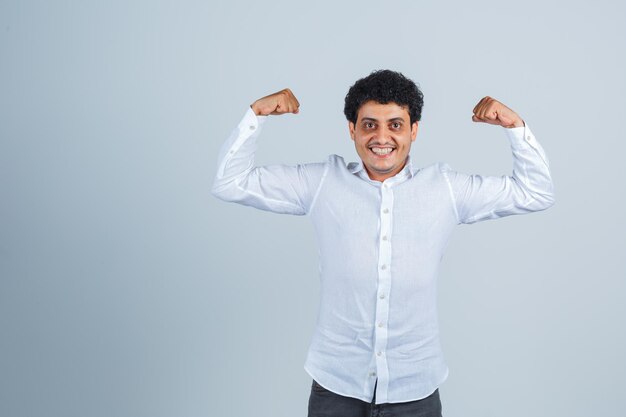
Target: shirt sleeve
[286, 189]
[529, 188]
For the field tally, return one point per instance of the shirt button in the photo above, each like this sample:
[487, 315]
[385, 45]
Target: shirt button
[380, 324]
[372, 373]
[381, 296]
[386, 210]
[231, 151]
[383, 267]
[385, 237]
[379, 353]
[252, 127]
[528, 138]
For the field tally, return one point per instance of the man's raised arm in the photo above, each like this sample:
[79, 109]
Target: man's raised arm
[277, 188]
[528, 189]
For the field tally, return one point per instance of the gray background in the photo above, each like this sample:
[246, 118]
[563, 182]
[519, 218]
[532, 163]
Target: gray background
[128, 290]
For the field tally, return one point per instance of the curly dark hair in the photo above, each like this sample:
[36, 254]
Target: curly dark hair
[384, 86]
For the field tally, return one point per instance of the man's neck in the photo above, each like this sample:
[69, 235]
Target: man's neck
[382, 177]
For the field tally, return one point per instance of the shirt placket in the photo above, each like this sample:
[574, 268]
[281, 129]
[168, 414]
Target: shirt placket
[384, 287]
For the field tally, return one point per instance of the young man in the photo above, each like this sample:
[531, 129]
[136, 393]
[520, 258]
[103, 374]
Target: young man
[382, 226]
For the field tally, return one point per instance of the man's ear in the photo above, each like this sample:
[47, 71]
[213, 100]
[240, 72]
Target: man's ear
[351, 129]
[414, 131]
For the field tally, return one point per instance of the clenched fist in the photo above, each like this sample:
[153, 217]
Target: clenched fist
[278, 103]
[490, 110]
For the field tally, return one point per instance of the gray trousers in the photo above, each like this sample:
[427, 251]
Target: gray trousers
[325, 403]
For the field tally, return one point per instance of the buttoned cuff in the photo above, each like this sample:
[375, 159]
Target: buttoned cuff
[520, 137]
[248, 128]
[251, 122]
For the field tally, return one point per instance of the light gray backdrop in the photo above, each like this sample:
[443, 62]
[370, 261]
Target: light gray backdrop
[128, 290]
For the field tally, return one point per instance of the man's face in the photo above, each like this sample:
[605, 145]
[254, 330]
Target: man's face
[380, 128]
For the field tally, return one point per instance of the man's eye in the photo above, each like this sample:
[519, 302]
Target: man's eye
[396, 125]
[369, 124]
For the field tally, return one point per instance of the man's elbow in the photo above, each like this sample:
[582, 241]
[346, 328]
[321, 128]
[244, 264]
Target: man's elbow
[220, 190]
[215, 193]
[548, 202]
[544, 200]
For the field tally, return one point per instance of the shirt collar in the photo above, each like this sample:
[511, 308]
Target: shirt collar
[408, 170]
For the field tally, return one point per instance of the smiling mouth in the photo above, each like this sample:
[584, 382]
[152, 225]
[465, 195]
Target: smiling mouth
[382, 152]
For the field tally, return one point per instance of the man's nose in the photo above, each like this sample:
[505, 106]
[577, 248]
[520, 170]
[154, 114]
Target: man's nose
[381, 132]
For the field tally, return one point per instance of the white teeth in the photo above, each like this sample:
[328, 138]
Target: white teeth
[382, 151]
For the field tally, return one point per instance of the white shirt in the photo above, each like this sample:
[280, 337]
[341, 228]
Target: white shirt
[380, 245]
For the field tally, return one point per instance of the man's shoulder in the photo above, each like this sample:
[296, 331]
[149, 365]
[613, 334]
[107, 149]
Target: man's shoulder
[433, 167]
[337, 159]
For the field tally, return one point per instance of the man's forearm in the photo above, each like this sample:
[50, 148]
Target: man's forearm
[531, 168]
[236, 154]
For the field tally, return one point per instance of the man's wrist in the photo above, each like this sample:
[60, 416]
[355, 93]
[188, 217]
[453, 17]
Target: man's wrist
[517, 123]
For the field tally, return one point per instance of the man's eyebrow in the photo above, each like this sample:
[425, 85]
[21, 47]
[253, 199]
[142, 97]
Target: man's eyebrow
[389, 120]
